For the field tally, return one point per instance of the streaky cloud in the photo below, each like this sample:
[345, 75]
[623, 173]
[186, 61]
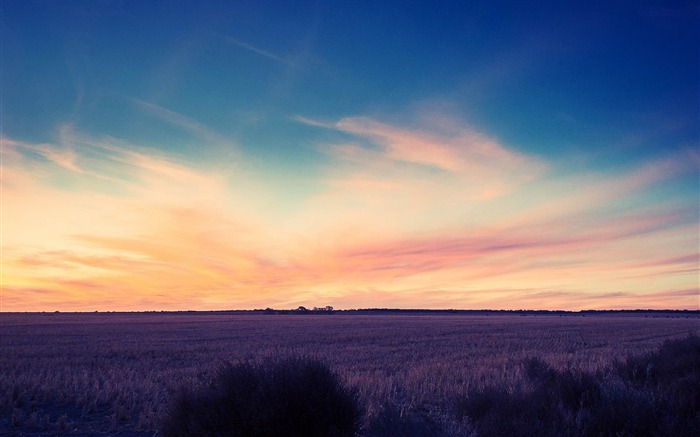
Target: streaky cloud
[184, 122]
[260, 51]
[386, 227]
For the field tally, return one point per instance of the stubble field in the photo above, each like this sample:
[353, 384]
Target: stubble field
[87, 374]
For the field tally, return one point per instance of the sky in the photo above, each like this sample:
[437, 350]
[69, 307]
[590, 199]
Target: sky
[177, 155]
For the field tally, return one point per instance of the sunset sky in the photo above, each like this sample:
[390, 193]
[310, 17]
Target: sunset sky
[234, 155]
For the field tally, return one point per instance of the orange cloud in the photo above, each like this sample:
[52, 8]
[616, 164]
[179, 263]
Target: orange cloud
[404, 221]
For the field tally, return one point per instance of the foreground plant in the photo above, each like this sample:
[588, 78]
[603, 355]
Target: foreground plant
[657, 394]
[295, 396]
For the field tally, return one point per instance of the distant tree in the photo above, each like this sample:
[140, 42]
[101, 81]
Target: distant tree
[302, 309]
[324, 309]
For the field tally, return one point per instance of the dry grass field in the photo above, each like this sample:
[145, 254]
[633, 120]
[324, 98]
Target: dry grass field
[117, 373]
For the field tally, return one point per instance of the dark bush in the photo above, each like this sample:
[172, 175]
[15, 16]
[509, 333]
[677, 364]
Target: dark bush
[537, 370]
[674, 360]
[284, 397]
[497, 412]
[623, 411]
[657, 394]
[670, 379]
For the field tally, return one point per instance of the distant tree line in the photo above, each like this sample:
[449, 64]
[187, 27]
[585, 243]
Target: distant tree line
[484, 312]
[300, 310]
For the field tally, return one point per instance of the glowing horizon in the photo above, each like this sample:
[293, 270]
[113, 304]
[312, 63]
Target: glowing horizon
[147, 200]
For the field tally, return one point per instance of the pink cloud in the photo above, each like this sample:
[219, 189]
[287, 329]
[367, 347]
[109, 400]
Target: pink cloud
[472, 156]
[444, 219]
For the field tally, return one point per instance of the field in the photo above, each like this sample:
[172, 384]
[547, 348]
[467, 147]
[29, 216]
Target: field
[117, 373]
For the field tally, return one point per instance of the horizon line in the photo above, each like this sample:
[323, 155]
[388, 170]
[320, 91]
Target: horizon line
[349, 310]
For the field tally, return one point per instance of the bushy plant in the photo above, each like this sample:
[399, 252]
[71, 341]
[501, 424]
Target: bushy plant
[674, 360]
[657, 394]
[295, 396]
[671, 377]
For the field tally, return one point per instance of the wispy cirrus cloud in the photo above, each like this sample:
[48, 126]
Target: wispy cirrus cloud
[154, 222]
[259, 51]
[462, 151]
[481, 166]
[63, 157]
[175, 118]
[399, 219]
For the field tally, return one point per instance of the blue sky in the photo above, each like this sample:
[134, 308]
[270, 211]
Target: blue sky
[288, 104]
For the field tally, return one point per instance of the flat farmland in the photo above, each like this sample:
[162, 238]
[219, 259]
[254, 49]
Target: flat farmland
[118, 372]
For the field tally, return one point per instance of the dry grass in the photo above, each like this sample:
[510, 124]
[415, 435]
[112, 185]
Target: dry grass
[118, 372]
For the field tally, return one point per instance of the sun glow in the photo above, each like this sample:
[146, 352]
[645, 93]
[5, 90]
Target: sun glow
[414, 219]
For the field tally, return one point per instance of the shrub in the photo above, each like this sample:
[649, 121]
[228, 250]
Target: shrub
[657, 394]
[674, 360]
[671, 376]
[294, 396]
[497, 412]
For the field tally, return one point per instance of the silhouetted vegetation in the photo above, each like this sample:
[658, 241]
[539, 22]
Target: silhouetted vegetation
[657, 394]
[291, 397]
[415, 374]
